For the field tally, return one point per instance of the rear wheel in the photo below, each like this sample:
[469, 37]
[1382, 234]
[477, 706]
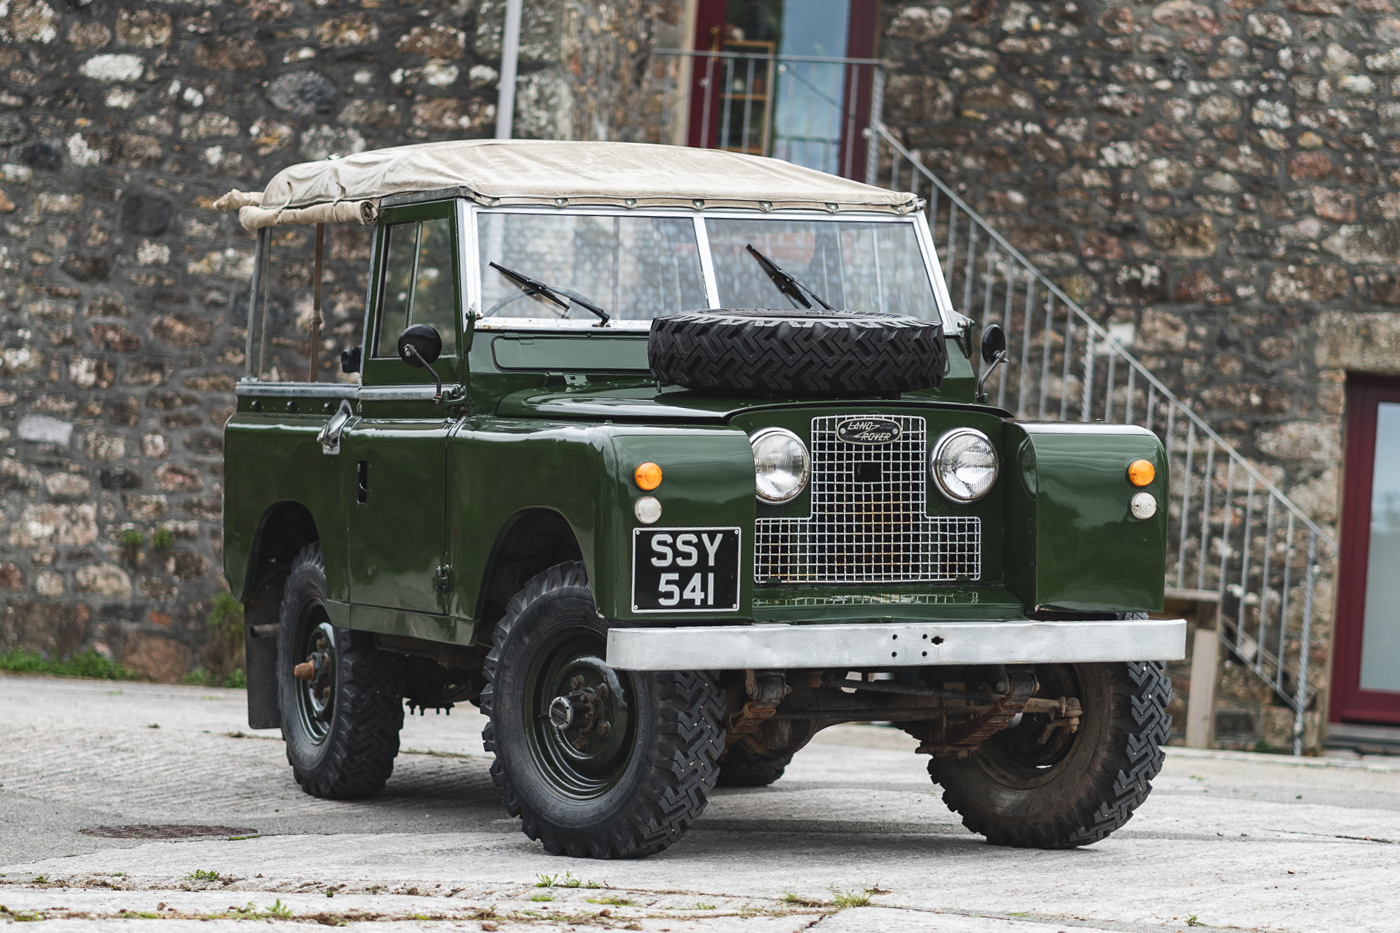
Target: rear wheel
[741, 767]
[1024, 787]
[341, 718]
[596, 762]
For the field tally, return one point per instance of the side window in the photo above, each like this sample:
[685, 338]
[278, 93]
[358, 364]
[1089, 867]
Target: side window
[418, 284]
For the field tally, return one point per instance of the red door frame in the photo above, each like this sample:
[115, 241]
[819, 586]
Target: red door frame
[860, 43]
[1350, 703]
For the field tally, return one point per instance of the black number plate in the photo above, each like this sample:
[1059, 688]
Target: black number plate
[685, 569]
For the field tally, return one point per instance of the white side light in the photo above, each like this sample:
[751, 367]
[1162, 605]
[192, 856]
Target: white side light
[781, 465]
[964, 464]
[1144, 505]
[647, 509]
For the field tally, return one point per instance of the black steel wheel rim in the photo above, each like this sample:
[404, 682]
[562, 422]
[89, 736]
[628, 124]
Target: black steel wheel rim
[588, 757]
[315, 643]
[1015, 757]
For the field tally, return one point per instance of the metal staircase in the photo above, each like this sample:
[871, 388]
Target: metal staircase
[1234, 538]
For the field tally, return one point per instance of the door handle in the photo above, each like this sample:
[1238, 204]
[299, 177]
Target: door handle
[329, 435]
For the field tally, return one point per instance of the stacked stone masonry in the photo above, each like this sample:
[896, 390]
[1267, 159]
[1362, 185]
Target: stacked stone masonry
[123, 297]
[1221, 176]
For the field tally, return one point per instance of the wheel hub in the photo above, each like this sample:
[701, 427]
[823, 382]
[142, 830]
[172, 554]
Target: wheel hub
[316, 675]
[581, 711]
[580, 715]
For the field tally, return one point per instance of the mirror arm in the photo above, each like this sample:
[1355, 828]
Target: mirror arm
[1000, 358]
[410, 348]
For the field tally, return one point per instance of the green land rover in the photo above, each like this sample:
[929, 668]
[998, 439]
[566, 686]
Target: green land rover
[667, 459]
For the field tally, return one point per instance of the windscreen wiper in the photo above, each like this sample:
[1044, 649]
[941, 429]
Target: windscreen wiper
[786, 283]
[562, 297]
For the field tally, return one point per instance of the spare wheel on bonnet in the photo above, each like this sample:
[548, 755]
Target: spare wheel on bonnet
[803, 353]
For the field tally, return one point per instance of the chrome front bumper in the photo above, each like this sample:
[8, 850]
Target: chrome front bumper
[894, 644]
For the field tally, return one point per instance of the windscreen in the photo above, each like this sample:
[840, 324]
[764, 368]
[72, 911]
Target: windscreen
[849, 265]
[632, 267]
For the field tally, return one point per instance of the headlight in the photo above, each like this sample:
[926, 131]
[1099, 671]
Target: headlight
[964, 464]
[780, 464]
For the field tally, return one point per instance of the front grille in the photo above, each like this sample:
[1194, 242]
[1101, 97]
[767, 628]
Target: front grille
[869, 520]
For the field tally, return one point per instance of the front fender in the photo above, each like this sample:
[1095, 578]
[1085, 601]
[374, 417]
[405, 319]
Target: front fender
[707, 481]
[1071, 542]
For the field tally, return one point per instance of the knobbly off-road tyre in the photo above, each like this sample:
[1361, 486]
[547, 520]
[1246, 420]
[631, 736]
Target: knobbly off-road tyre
[1076, 789]
[742, 767]
[342, 731]
[797, 353]
[630, 792]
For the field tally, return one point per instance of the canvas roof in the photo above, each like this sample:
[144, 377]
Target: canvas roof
[551, 172]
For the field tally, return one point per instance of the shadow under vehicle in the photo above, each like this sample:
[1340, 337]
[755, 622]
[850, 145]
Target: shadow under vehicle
[668, 459]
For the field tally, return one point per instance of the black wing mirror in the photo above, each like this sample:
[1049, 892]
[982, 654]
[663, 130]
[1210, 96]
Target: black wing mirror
[993, 353]
[993, 343]
[420, 345]
[350, 360]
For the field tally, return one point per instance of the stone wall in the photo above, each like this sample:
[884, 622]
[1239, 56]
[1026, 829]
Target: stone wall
[122, 297]
[1223, 176]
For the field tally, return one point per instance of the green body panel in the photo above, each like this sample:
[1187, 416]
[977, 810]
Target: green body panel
[427, 626]
[1071, 541]
[553, 424]
[501, 468]
[397, 536]
[272, 458]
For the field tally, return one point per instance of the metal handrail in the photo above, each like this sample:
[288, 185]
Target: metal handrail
[771, 56]
[828, 132]
[1254, 577]
[1093, 325]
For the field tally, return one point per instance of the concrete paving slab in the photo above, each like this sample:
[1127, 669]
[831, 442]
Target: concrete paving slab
[1229, 840]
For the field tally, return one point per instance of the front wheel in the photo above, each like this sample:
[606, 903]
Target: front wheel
[596, 762]
[1030, 786]
[341, 697]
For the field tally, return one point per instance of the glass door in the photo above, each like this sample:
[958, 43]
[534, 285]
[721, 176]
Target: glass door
[1366, 682]
[790, 79]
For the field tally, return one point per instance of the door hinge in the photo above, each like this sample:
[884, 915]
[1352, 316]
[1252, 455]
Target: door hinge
[442, 579]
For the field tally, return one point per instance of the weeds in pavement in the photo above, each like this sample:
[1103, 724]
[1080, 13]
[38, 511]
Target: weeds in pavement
[542, 897]
[566, 880]
[851, 898]
[1191, 921]
[797, 900]
[278, 911]
[703, 907]
[88, 664]
[199, 874]
[613, 901]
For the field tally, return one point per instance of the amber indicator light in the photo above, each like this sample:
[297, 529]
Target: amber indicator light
[1140, 473]
[648, 476]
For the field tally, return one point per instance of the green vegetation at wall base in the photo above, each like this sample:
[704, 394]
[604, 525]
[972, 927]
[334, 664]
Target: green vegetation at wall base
[88, 664]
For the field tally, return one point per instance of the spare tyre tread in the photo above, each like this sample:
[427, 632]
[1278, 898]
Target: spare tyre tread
[798, 353]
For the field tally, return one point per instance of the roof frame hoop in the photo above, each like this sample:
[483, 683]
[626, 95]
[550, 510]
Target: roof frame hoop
[314, 351]
[252, 362]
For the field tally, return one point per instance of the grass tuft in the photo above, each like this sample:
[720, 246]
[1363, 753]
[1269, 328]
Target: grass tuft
[854, 898]
[88, 664]
[566, 880]
[199, 874]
